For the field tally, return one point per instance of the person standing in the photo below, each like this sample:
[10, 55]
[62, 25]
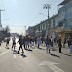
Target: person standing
[48, 44]
[59, 44]
[55, 42]
[64, 42]
[0, 43]
[69, 44]
[52, 43]
[27, 42]
[30, 41]
[35, 41]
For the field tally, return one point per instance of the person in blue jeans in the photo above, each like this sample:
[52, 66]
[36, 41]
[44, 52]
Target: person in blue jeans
[14, 43]
[48, 44]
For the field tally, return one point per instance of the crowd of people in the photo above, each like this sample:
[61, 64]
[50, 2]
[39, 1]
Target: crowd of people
[27, 42]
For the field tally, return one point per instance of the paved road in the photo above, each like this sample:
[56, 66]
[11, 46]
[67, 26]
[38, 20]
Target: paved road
[35, 60]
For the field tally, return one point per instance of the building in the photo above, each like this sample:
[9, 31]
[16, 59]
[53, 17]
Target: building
[42, 27]
[53, 26]
[31, 31]
[26, 33]
[65, 19]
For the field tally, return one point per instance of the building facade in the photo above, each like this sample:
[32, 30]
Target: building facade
[42, 27]
[65, 19]
[60, 24]
[31, 31]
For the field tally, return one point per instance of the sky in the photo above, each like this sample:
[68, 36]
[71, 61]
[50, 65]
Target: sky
[19, 14]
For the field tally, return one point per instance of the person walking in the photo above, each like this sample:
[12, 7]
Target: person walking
[14, 43]
[20, 43]
[48, 44]
[39, 42]
[7, 43]
[59, 44]
[24, 42]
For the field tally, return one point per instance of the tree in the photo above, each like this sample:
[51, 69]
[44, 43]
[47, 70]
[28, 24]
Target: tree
[7, 29]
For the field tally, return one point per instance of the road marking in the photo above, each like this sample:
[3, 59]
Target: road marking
[14, 56]
[52, 66]
[4, 53]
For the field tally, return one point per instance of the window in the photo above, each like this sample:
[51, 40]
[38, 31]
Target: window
[69, 21]
[60, 24]
[45, 25]
[56, 21]
[69, 10]
[62, 14]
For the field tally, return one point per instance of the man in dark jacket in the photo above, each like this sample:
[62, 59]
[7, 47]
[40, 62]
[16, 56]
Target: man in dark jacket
[7, 42]
[24, 42]
[59, 44]
[20, 43]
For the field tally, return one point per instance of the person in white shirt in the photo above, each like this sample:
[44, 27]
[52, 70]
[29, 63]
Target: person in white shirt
[14, 43]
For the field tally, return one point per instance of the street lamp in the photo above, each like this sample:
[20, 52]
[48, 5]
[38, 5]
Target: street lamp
[47, 6]
[43, 14]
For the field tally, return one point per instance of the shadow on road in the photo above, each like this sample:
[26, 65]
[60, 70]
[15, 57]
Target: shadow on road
[55, 55]
[23, 55]
[41, 49]
[29, 50]
[67, 54]
[8, 48]
[15, 52]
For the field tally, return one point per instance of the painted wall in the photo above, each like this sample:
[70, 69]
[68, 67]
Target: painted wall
[65, 15]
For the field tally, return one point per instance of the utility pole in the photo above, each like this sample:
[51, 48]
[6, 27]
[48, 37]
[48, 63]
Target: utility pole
[0, 17]
[47, 6]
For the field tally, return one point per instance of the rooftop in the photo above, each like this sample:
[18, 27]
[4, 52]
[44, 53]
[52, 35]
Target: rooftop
[65, 2]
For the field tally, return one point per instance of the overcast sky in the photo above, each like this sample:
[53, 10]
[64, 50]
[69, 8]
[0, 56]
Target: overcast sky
[20, 13]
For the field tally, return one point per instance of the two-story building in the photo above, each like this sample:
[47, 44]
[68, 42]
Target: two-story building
[31, 31]
[42, 27]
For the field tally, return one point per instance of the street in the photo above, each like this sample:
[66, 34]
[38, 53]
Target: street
[34, 60]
